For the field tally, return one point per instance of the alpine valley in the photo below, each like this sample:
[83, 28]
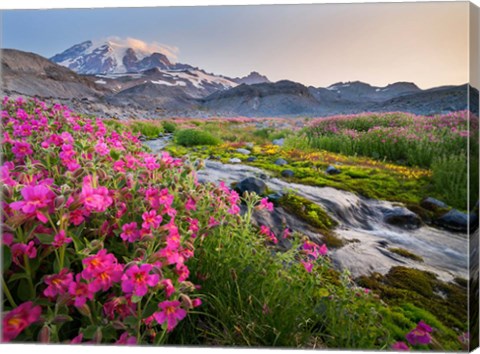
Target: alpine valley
[112, 80]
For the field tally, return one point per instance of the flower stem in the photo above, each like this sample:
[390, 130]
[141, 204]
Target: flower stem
[28, 270]
[7, 293]
[139, 315]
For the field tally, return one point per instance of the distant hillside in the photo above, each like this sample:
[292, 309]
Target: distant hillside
[188, 91]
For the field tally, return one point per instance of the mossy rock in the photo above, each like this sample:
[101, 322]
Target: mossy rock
[405, 253]
[447, 301]
[313, 215]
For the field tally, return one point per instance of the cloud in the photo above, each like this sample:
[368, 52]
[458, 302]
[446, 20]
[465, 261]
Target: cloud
[141, 46]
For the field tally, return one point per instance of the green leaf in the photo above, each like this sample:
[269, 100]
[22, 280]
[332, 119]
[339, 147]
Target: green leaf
[114, 154]
[131, 321]
[17, 276]
[56, 265]
[109, 333]
[23, 291]
[136, 298]
[7, 258]
[45, 239]
[90, 331]
[149, 310]
[323, 292]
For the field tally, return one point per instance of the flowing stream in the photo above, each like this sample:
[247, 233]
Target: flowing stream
[361, 224]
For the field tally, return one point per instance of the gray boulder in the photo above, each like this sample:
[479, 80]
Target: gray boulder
[331, 170]
[288, 173]
[281, 162]
[454, 220]
[235, 160]
[251, 184]
[278, 142]
[432, 204]
[243, 151]
[403, 218]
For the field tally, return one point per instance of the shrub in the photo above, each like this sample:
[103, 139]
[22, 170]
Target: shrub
[150, 130]
[169, 127]
[193, 137]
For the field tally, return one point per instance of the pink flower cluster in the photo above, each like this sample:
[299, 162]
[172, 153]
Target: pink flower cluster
[95, 227]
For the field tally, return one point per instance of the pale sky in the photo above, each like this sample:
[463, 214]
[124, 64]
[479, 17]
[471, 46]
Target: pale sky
[426, 43]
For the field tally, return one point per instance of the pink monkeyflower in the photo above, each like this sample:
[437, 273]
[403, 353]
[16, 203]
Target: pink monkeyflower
[171, 255]
[265, 230]
[35, 198]
[400, 347]
[420, 334]
[121, 209]
[151, 219]
[95, 199]
[308, 266]
[103, 269]
[7, 239]
[106, 278]
[60, 239]
[21, 149]
[119, 166]
[136, 280]
[323, 250]
[234, 209]
[102, 149]
[171, 313]
[286, 233]
[151, 195]
[58, 283]
[119, 307]
[77, 340]
[151, 163]
[190, 204]
[196, 302]
[80, 292]
[76, 217]
[182, 271]
[212, 222]
[126, 339]
[130, 232]
[165, 198]
[265, 204]
[20, 249]
[16, 320]
[168, 285]
[193, 227]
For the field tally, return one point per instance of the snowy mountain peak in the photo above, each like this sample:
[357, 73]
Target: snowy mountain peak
[112, 57]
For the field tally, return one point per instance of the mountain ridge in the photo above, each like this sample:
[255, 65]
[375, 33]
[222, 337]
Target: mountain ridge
[193, 92]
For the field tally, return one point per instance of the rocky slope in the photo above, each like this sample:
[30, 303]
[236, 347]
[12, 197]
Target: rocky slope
[187, 91]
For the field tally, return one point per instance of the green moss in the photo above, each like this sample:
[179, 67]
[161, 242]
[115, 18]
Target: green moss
[194, 137]
[405, 253]
[447, 302]
[313, 215]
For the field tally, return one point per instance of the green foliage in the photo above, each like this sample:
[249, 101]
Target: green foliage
[169, 127]
[115, 125]
[193, 137]
[258, 296]
[150, 130]
[450, 179]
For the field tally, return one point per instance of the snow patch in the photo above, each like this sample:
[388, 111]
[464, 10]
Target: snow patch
[166, 83]
[102, 82]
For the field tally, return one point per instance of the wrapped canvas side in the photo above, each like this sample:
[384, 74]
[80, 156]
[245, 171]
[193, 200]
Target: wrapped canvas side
[474, 71]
